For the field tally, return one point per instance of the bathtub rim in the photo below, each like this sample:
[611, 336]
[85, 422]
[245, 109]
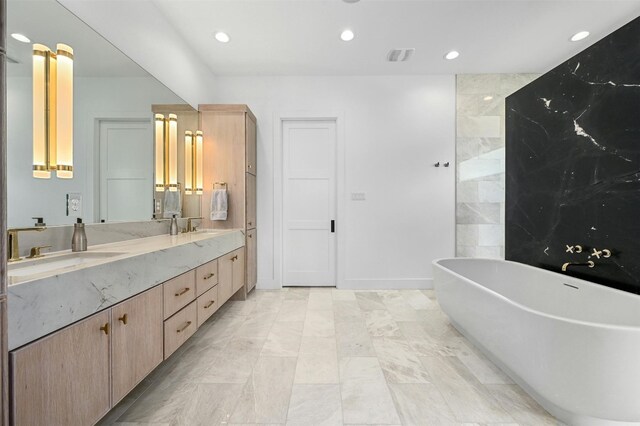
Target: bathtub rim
[605, 326]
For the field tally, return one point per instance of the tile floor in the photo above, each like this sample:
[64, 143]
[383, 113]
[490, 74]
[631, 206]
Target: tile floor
[328, 357]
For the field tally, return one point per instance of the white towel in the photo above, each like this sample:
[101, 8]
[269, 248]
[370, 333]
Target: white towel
[172, 204]
[219, 204]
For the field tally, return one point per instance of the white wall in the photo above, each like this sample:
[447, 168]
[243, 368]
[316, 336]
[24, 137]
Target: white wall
[93, 98]
[395, 128]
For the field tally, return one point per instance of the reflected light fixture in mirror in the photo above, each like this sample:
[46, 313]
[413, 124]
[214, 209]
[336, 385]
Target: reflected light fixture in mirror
[193, 162]
[166, 152]
[52, 111]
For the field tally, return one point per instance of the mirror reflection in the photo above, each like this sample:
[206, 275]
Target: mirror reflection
[108, 115]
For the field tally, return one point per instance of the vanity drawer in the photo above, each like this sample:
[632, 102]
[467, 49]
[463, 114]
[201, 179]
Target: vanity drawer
[207, 305]
[179, 328]
[206, 276]
[178, 292]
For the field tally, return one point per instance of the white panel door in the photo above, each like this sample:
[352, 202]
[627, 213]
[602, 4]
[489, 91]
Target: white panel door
[309, 203]
[126, 170]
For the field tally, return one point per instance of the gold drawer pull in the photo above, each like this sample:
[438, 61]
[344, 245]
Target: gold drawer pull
[208, 305]
[180, 330]
[250, 235]
[250, 166]
[183, 291]
[105, 328]
[234, 258]
[209, 276]
[250, 223]
[124, 319]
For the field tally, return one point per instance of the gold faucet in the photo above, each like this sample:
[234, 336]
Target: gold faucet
[589, 263]
[12, 241]
[189, 227]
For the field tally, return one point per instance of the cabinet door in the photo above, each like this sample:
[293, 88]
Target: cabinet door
[238, 269]
[137, 340]
[225, 278]
[179, 292]
[251, 201]
[250, 133]
[252, 259]
[63, 379]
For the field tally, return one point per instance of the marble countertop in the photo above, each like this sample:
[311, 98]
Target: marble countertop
[46, 302]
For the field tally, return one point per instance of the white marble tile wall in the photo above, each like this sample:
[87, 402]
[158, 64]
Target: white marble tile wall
[480, 142]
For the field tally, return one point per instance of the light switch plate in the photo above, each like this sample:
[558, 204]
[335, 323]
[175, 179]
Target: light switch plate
[358, 196]
[74, 205]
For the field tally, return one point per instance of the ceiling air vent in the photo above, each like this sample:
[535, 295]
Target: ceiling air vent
[400, 55]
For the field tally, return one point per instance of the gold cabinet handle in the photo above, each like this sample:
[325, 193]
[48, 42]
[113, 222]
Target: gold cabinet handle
[250, 223]
[209, 276]
[105, 328]
[250, 235]
[234, 258]
[124, 319]
[250, 166]
[208, 305]
[184, 327]
[183, 291]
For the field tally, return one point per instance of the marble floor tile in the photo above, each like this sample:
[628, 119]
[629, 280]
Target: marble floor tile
[283, 339]
[208, 404]
[316, 369]
[481, 367]
[320, 300]
[369, 301]
[319, 324]
[521, 406]
[313, 345]
[420, 404]
[160, 406]
[466, 402]
[265, 397]
[234, 366]
[347, 310]
[366, 398]
[258, 325]
[418, 300]
[343, 294]
[293, 310]
[398, 306]
[353, 339]
[315, 405]
[380, 323]
[297, 293]
[399, 361]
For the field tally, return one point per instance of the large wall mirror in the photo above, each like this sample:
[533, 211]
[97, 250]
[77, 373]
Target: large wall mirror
[113, 125]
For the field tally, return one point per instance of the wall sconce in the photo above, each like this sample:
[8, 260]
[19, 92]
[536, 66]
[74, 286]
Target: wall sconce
[166, 152]
[52, 111]
[193, 162]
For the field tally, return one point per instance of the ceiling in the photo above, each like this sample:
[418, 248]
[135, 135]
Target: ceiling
[49, 23]
[301, 37]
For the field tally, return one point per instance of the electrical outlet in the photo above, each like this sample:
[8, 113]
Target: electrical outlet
[358, 196]
[74, 205]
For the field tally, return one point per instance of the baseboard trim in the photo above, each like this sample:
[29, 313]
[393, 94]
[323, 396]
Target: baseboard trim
[387, 284]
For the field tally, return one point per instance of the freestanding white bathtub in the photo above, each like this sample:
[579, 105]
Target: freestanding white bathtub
[574, 346]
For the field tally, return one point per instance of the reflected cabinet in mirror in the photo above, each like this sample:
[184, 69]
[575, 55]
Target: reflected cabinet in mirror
[89, 105]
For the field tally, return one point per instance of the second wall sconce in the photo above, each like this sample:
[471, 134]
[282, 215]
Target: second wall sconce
[166, 152]
[193, 162]
[52, 111]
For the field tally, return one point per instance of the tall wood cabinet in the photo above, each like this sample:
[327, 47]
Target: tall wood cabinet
[230, 157]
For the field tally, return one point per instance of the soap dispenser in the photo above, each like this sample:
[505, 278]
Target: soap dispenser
[173, 229]
[79, 239]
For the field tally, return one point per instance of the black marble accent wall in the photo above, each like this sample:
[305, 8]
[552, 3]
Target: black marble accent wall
[573, 164]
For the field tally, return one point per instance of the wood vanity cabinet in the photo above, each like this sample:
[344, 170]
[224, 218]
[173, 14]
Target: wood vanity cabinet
[63, 379]
[230, 136]
[179, 292]
[137, 341]
[252, 258]
[231, 274]
[179, 328]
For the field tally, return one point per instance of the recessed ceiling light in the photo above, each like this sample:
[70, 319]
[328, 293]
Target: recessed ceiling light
[21, 37]
[222, 37]
[580, 36]
[452, 55]
[347, 35]
[488, 98]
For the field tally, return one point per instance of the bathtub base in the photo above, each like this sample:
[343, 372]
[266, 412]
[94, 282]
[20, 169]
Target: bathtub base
[570, 419]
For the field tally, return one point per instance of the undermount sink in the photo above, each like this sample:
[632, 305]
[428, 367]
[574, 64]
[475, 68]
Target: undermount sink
[53, 263]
